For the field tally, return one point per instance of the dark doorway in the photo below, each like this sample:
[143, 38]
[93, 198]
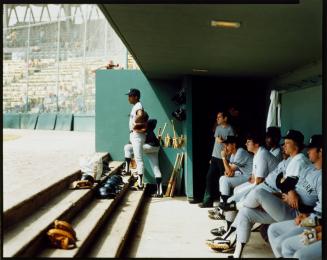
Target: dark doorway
[210, 95]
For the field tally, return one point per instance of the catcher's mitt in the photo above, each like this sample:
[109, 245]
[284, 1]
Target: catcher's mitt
[81, 184]
[62, 235]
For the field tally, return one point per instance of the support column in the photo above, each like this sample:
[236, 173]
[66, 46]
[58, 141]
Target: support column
[188, 148]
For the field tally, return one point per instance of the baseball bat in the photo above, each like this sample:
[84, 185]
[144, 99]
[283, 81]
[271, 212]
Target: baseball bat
[172, 176]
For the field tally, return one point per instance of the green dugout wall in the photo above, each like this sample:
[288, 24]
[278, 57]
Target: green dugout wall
[302, 110]
[112, 116]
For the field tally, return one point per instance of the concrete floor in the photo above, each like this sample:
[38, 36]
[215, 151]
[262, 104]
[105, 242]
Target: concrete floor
[171, 227]
[35, 159]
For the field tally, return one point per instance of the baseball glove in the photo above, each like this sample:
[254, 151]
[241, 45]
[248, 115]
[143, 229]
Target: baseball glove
[81, 184]
[62, 235]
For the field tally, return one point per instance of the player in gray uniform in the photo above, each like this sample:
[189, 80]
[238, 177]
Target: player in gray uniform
[250, 200]
[263, 163]
[289, 230]
[269, 184]
[237, 170]
[272, 208]
[216, 167]
[273, 136]
[296, 163]
[136, 137]
[304, 252]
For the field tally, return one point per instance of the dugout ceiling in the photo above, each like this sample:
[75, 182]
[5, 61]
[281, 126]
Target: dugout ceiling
[171, 40]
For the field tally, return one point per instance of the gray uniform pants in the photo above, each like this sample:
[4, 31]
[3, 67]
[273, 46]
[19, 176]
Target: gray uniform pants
[278, 232]
[226, 184]
[251, 199]
[293, 247]
[241, 191]
[137, 140]
[274, 210]
[151, 152]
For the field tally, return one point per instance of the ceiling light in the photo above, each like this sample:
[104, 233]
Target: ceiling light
[199, 70]
[226, 24]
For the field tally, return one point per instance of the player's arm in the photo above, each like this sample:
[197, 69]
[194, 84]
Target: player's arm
[291, 198]
[259, 180]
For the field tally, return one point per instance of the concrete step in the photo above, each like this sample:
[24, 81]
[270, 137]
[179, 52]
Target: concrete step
[115, 232]
[87, 224]
[27, 236]
[27, 207]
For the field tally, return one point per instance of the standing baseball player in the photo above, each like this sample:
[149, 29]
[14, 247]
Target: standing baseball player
[280, 231]
[151, 149]
[216, 167]
[137, 135]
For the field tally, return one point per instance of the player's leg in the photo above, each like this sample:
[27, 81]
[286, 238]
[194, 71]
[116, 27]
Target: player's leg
[137, 141]
[152, 154]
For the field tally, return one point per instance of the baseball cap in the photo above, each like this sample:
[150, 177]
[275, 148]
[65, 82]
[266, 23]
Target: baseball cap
[134, 92]
[231, 139]
[294, 135]
[315, 141]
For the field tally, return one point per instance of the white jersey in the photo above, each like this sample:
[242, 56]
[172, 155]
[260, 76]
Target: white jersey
[263, 163]
[243, 160]
[297, 164]
[132, 115]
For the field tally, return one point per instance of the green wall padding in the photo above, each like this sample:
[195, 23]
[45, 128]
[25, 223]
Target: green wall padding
[11, 120]
[112, 114]
[28, 121]
[64, 122]
[302, 110]
[84, 123]
[46, 121]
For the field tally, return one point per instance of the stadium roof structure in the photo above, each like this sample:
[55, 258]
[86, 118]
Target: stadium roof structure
[172, 40]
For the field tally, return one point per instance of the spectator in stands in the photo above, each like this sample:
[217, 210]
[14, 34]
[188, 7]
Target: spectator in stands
[108, 66]
[41, 104]
[79, 103]
[42, 34]
[49, 101]
[24, 105]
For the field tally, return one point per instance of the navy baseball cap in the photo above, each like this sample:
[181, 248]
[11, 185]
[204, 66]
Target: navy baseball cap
[294, 135]
[134, 92]
[315, 142]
